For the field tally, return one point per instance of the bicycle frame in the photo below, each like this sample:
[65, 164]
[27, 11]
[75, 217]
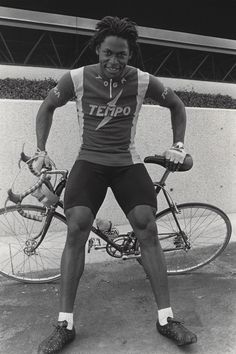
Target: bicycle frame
[192, 234]
[159, 186]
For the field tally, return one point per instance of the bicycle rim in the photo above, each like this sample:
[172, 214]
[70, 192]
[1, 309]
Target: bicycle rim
[16, 232]
[207, 228]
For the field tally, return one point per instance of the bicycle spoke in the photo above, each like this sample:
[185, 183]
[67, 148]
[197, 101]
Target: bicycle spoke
[18, 259]
[206, 228]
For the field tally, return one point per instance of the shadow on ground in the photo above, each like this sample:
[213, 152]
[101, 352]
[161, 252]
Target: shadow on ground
[115, 310]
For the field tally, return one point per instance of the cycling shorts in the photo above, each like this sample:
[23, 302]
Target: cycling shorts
[88, 183]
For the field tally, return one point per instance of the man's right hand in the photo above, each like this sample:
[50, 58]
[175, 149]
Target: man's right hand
[40, 160]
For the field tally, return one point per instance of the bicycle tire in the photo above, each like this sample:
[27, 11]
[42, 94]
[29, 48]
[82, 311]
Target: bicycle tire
[16, 263]
[208, 230]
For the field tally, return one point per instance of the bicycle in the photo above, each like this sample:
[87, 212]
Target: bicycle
[32, 237]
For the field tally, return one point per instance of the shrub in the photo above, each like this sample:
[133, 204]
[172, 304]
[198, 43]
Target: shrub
[207, 100]
[25, 89]
[38, 90]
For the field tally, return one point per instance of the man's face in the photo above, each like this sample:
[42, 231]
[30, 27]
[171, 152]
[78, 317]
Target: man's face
[114, 55]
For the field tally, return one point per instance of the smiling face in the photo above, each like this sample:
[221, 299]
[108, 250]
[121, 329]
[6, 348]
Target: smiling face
[114, 54]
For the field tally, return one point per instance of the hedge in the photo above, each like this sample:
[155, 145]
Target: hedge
[25, 89]
[38, 89]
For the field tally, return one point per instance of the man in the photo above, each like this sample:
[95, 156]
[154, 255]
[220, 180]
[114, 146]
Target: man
[109, 96]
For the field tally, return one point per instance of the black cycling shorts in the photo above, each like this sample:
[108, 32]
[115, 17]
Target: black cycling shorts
[88, 182]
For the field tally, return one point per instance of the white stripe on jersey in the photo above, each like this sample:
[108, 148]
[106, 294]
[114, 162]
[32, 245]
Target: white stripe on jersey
[77, 76]
[143, 81]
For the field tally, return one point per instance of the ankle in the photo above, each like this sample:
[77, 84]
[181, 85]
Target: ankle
[66, 316]
[163, 314]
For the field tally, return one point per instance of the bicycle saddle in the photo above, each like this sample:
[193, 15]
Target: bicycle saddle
[160, 160]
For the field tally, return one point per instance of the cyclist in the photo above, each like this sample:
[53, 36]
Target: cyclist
[108, 97]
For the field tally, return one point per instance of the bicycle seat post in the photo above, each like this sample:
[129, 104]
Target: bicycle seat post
[161, 184]
[164, 177]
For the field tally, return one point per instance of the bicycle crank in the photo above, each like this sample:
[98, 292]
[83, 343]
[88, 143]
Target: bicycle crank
[30, 248]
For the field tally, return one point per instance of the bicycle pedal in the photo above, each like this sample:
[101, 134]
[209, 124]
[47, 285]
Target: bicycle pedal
[99, 247]
[131, 256]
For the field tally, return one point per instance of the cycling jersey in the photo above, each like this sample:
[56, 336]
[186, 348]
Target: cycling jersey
[107, 113]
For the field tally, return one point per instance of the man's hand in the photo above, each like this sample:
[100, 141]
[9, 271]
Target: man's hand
[175, 156]
[41, 160]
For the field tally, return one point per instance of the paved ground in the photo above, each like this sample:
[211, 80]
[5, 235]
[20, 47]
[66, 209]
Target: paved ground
[115, 311]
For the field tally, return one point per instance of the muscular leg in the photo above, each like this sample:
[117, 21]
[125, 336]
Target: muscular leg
[143, 223]
[86, 185]
[80, 220]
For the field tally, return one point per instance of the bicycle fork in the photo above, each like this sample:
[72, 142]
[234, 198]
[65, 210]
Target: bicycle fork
[31, 245]
[174, 210]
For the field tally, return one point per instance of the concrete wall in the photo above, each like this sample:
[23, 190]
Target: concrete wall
[176, 84]
[210, 138]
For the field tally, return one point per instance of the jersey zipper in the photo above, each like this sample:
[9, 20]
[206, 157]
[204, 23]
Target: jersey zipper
[110, 88]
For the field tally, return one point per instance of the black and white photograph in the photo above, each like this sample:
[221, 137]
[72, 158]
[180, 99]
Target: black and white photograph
[118, 177]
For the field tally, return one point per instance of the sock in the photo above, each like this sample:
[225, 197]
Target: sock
[163, 314]
[66, 316]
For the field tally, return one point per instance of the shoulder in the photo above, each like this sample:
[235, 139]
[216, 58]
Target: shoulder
[77, 78]
[156, 84]
[82, 72]
[130, 72]
[133, 73]
[74, 73]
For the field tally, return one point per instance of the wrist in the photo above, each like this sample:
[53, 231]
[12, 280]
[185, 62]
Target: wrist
[39, 151]
[178, 145]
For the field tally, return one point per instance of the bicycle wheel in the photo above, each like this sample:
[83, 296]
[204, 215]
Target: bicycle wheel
[17, 233]
[207, 230]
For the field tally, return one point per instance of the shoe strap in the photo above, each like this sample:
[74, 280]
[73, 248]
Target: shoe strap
[174, 320]
[62, 324]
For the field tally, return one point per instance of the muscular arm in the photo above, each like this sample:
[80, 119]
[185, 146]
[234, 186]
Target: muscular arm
[57, 97]
[167, 98]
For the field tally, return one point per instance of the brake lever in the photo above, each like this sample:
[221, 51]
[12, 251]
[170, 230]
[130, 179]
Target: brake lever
[23, 157]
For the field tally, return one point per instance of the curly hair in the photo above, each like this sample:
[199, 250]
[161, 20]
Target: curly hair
[115, 26]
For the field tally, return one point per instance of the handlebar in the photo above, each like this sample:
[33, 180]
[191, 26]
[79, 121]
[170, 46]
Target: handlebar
[17, 198]
[24, 157]
[29, 161]
[43, 178]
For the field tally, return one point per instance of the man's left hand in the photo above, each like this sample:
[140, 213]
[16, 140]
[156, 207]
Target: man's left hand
[175, 156]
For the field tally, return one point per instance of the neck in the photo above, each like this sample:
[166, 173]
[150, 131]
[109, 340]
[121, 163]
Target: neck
[115, 78]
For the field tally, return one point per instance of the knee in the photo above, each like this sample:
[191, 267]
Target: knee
[146, 224]
[77, 234]
[145, 229]
[79, 226]
[143, 218]
[147, 233]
